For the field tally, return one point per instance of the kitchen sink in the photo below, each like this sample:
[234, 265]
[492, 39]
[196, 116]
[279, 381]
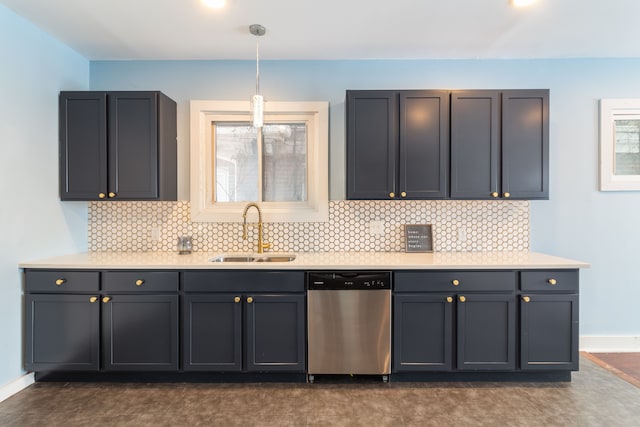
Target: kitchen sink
[276, 258]
[252, 258]
[232, 258]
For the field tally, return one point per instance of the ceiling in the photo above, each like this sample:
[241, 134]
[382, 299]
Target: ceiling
[339, 29]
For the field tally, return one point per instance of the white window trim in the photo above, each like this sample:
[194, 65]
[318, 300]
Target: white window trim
[203, 206]
[610, 110]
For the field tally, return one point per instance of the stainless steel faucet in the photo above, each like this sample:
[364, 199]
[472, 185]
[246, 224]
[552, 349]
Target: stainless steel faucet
[261, 244]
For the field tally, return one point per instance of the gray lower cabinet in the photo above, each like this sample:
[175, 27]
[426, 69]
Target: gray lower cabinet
[454, 321]
[62, 332]
[109, 321]
[486, 332]
[62, 321]
[140, 333]
[486, 320]
[244, 321]
[549, 320]
[140, 321]
[422, 332]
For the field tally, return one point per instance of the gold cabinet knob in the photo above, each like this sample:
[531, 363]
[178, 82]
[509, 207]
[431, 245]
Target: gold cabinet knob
[526, 299]
[236, 300]
[249, 300]
[106, 299]
[101, 195]
[403, 194]
[455, 282]
[93, 299]
[495, 194]
[552, 281]
[60, 282]
[462, 298]
[392, 194]
[506, 195]
[112, 194]
[449, 299]
[139, 282]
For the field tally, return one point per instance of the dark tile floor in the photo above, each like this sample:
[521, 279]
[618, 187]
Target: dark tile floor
[595, 397]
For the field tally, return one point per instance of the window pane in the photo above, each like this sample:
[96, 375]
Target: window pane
[627, 141]
[284, 155]
[236, 162]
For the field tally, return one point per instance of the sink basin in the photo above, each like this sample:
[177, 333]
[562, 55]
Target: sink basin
[232, 258]
[276, 258]
[251, 258]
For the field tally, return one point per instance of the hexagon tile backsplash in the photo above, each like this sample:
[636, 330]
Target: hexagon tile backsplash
[474, 226]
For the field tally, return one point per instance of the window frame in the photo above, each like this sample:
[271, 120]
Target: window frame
[610, 111]
[202, 180]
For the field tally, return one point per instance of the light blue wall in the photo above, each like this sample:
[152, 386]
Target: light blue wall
[33, 222]
[578, 222]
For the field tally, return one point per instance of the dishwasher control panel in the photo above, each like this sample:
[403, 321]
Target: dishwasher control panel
[345, 280]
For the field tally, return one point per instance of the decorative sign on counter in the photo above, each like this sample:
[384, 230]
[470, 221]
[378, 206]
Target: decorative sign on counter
[418, 238]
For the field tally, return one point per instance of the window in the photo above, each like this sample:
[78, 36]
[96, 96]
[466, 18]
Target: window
[279, 150]
[619, 144]
[283, 166]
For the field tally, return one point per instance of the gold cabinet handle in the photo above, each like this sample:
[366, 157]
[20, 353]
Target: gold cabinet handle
[106, 299]
[449, 300]
[112, 194]
[236, 300]
[60, 282]
[526, 299]
[101, 195]
[139, 282]
[93, 299]
[403, 194]
[455, 282]
[462, 298]
[249, 300]
[495, 194]
[552, 281]
[506, 195]
[392, 194]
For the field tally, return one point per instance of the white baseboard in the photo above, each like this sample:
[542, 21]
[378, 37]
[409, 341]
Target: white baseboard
[610, 344]
[8, 390]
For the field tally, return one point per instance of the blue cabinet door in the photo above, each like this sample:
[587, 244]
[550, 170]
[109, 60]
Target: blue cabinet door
[212, 332]
[422, 332]
[275, 331]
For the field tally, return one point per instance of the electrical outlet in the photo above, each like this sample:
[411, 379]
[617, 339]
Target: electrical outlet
[376, 228]
[155, 233]
[462, 235]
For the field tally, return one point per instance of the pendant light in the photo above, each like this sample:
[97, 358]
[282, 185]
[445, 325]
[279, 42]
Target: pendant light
[257, 101]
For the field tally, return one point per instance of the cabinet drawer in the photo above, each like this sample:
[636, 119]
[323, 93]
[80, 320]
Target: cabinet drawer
[454, 281]
[243, 281]
[62, 281]
[140, 281]
[549, 281]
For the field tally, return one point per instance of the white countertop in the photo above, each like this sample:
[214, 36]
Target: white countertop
[311, 261]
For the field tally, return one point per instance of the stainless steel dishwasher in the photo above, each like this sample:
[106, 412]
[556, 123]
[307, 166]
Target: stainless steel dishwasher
[349, 323]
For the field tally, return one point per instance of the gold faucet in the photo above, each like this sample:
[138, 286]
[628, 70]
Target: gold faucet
[261, 245]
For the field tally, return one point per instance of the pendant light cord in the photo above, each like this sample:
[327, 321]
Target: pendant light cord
[257, 69]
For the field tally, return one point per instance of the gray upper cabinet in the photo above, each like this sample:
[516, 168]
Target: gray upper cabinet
[500, 144]
[525, 144]
[397, 144]
[117, 145]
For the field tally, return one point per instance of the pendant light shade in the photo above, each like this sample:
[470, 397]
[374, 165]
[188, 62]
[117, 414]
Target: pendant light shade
[257, 110]
[257, 101]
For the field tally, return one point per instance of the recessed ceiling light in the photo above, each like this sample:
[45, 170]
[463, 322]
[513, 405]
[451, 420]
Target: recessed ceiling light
[522, 3]
[214, 4]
